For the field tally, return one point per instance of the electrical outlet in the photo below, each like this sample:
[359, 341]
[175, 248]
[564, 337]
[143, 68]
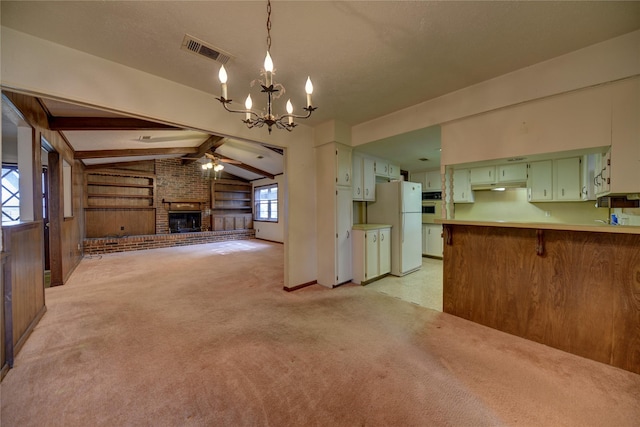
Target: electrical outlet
[79, 247]
[547, 213]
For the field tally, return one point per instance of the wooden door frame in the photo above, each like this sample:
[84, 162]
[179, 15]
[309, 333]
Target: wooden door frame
[56, 216]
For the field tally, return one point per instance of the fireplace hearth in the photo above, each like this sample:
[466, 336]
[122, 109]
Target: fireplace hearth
[185, 222]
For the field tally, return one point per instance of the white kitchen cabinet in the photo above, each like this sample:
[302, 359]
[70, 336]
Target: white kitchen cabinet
[432, 243]
[334, 226]
[540, 181]
[462, 186]
[384, 263]
[567, 174]
[602, 174]
[482, 175]
[432, 181]
[382, 168]
[394, 171]
[343, 161]
[364, 178]
[516, 172]
[371, 252]
[418, 177]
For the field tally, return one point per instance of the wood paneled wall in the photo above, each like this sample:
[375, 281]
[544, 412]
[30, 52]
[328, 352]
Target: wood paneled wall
[25, 270]
[582, 295]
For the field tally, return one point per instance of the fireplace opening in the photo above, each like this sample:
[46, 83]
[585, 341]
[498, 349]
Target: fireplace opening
[185, 221]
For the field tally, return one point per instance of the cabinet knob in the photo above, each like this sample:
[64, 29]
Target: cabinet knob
[347, 176]
[374, 238]
[382, 237]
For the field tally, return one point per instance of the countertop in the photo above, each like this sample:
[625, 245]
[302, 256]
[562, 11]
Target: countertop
[370, 226]
[596, 228]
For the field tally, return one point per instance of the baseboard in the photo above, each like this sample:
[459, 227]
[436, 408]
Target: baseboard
[4, 370]
[268, 240]
[304, 285]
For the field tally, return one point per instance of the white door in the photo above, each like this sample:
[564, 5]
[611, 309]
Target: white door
[357, 178]
[368, 179]
[343, 165]
[343, 235]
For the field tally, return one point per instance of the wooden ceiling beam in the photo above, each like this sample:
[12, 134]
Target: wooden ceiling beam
[99, 154]
[104, 123]
[211, 144]
[248, 168]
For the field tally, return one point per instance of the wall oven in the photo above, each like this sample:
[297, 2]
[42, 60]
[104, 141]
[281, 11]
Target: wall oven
[431, 206]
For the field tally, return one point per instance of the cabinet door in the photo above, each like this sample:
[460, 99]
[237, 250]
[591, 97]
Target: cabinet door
[567, 182]
[461, 186]
[357, 181]
[484, 175]
[418, 177]
[394, 171]
[432, 181]
[382, 168]
[371, 257]
[540, 181]
[384, 251]
[512, 173]
[369, 180]
[434, 240]
[344, 218]
[343, 159]
[425, 239]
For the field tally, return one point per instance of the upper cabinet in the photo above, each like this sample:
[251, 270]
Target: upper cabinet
[386, 169]
[516, 172]
[364, 178]
[343, 159]
[567, 182]
[539, 184]
[432, 181]
[482, 175]
[462, 186]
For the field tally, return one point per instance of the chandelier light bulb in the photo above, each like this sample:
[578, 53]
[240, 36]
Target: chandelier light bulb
[247, 104]
[308, 87]
[209, 165]
[222, 75]
[290, 110]
[268, 67]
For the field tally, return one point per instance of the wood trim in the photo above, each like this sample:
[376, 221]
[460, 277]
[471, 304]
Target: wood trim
[104, 123]
[7, 310]
[212, 143]
[99, 154]
[303, 285]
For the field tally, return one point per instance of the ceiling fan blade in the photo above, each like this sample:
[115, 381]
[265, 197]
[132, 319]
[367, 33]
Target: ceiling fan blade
[230, 161]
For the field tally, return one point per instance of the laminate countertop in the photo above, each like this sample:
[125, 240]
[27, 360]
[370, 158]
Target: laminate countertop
[596, 228]
[366, 227]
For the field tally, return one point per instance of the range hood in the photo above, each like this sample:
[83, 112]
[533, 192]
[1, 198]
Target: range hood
[619, 201]
[499, 185]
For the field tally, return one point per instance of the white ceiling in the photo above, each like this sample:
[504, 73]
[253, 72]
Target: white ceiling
[366, 58]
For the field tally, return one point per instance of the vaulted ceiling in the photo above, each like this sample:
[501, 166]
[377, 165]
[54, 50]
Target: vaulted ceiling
[366, 58]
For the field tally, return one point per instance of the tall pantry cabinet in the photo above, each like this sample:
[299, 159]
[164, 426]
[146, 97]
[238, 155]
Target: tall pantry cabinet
[335, 217]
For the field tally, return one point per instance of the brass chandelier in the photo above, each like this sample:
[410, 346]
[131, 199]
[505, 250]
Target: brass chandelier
[253, 119]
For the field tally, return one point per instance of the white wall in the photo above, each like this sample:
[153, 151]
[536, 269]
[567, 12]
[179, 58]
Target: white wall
[42, 68]
[273, 231]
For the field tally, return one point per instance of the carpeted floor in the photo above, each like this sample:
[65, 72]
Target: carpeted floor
[204, 336]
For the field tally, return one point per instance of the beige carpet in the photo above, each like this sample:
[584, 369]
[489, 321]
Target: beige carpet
[205, 336]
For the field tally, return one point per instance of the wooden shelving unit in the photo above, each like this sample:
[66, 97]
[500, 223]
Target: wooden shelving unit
[231, 205]
[119, 202]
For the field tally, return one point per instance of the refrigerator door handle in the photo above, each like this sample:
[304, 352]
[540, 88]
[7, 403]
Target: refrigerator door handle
[403, 226]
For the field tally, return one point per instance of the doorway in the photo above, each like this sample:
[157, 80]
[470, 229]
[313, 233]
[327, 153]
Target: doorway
[51, 217]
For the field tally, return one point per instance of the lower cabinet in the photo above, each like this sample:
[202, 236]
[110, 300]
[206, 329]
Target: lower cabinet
[432, 243]
[371, 252]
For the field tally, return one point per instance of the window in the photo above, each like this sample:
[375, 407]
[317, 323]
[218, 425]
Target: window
[266, 203]
[10, 193]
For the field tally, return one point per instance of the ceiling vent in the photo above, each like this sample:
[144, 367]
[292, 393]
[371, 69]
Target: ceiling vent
[193, 45]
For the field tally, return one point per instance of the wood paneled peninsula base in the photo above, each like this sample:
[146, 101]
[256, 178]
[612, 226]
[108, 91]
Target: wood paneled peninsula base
[575, 288]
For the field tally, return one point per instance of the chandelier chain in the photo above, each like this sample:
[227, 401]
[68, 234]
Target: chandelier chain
[269, 26]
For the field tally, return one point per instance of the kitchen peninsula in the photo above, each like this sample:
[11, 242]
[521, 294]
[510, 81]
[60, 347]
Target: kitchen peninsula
[572, 287]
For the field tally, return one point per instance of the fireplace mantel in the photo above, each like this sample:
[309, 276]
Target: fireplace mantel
[183, 204]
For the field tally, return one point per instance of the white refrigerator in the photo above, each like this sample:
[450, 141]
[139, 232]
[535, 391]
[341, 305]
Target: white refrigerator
[399, 203]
